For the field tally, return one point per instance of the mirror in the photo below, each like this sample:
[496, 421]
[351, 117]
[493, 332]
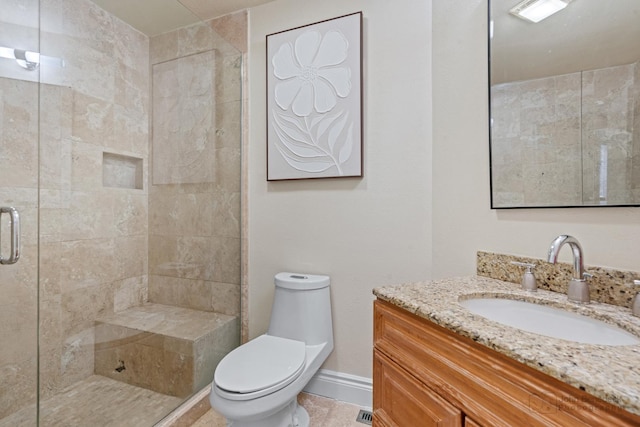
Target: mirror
[565, 105]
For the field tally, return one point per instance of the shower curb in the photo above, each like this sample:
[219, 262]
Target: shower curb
[190, 411]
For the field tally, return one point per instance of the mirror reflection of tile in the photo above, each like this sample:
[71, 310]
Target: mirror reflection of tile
[567, 140]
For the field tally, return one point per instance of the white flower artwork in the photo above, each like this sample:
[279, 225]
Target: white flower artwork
[314, 101]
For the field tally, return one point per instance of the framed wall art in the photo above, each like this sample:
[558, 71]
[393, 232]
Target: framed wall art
[314, 100]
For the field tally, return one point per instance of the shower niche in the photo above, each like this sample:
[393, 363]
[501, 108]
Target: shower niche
[121, 171]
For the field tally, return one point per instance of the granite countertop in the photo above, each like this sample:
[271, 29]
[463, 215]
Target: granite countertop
[610, 373]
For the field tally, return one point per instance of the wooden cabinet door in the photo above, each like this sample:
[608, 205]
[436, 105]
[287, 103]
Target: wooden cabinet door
[400, 400]
[468, 422]
[490, 387]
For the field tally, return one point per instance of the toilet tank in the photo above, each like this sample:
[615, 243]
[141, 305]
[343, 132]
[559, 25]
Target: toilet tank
[302, 308]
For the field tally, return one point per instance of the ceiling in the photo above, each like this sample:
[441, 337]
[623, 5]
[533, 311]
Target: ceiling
[586, 35]
[153, 17]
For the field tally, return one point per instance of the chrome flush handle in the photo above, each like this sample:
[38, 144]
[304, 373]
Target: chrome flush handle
[14, 220]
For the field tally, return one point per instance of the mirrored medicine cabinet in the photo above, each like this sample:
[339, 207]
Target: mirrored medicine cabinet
[565, 105]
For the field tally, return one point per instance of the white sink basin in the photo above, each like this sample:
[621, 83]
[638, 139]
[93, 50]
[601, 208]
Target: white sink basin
[549, 321]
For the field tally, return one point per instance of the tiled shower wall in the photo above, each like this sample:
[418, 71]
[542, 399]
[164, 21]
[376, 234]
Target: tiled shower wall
[98, 203]
[569, 139]
[93, 235]
[194, 228]
[18, 300]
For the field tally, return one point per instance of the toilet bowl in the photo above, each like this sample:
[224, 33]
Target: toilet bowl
[257, 384]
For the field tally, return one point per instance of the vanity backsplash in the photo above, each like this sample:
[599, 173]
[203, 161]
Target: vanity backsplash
[607, 285]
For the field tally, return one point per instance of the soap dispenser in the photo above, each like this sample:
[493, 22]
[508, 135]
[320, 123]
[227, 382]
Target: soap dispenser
[528, 279]
[635, 305]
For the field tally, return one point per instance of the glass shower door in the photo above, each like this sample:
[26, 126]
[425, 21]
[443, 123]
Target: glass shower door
[126, 292]
[19, 147]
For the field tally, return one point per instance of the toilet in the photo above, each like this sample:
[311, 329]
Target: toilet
[257, 384]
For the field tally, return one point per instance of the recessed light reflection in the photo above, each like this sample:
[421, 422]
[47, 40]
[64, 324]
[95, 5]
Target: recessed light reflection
[29, 60]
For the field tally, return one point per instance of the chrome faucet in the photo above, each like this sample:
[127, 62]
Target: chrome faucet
[578, 287]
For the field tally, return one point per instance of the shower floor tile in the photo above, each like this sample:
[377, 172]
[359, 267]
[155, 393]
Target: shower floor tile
[98, 401]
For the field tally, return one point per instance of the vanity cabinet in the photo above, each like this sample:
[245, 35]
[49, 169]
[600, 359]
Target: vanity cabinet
[426, 375]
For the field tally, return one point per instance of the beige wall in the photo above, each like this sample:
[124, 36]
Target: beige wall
[362, 232]
[462, 219]
[396, 224]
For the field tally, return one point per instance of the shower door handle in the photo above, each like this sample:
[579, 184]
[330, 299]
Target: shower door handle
[14, 220]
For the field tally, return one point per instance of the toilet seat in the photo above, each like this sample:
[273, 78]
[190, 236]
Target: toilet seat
[260, 367]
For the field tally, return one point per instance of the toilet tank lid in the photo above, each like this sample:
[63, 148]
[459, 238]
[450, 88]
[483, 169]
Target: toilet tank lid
[301, 281]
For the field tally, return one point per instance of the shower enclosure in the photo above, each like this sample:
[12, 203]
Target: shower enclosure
[120, 237]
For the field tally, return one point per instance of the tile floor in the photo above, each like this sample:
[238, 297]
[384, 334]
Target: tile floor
[97, 401]
[100, 401]
[322, 411]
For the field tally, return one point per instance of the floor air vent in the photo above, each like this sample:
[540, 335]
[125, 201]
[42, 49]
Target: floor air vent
[364, 417]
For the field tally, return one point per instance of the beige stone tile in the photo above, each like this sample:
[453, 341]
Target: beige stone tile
[183, 111]
[229, 79]
[226, 165]
[19, 280]
[233, 28]
[55, 137]
[89, 215]
[210, 419]
[196, 38]
[86, 166]
[131, 109]
[177, 214]
[130, 292]
[178, 257]
[197, 294]
[19, 137]
[225, 298]
[228, 124]
[176, 354]
[125, 172]
[76, 357]
[177, 377]
[214, 259]
[226, 259]
[50, 342]
[19, 386]
[317, 407]
[131, 134]
[129, 263]
[209, 349]
[163, 47]
[323, 412]
[19, 327]
[92, 120]
[343, 415]
[78, 264]
[102, 401]
[165, 290]
[129, 209]
[55, 164]
[131, 48]
[81, 306]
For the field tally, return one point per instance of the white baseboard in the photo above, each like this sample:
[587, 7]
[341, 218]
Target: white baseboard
[343, 387]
